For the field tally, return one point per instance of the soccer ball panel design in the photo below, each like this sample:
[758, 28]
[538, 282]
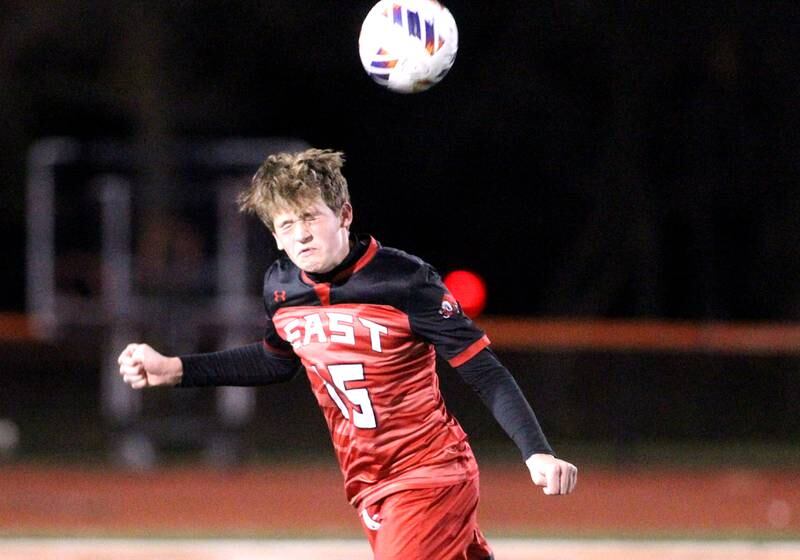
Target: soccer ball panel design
[408, 45]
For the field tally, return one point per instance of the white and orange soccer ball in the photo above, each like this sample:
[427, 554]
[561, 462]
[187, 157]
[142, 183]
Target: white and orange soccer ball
[408, 45]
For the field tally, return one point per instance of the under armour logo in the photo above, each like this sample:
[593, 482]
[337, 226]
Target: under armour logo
[279, 295]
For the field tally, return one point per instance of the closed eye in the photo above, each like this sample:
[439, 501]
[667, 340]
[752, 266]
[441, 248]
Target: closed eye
[309, 217]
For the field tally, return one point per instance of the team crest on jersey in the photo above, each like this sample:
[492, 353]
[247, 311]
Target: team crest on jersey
[450, 306]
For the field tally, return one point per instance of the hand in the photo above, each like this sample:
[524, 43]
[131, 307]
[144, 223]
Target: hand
[140, 366]
[556, 476]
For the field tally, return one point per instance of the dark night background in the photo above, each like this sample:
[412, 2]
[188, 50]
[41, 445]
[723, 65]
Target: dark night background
[586, 157]
[589, 158]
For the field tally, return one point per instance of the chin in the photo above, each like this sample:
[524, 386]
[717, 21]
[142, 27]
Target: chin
[318, 269]
[315, 268]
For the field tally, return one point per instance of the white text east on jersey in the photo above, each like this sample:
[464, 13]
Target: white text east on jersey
[341, 328]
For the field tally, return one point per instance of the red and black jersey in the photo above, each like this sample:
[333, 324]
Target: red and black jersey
[368, 336]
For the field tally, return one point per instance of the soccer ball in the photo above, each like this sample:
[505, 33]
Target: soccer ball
[408, 45]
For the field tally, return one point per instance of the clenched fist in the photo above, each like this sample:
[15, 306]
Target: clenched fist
[141, 366]
[554, 475]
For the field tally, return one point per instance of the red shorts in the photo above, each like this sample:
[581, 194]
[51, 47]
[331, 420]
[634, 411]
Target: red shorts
[428, 523]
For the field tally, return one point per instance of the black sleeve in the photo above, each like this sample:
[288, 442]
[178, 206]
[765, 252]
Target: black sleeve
[436, 317]
[500, 393]
[244, 366]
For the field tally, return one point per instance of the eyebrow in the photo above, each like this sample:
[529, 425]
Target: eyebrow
[302, 215]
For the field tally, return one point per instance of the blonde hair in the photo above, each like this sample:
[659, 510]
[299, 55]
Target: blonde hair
[294, 180]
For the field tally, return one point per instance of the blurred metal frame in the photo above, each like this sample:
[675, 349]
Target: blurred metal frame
[119, 310]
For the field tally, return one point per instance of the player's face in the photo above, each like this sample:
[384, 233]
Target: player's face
[315, 238]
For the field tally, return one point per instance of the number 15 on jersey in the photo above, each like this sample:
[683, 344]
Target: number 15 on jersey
[341, 374]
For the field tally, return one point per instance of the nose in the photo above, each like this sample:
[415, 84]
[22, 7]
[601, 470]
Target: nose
[302, 232]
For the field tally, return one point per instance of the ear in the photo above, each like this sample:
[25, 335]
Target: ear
[346, 215]
[277, 241]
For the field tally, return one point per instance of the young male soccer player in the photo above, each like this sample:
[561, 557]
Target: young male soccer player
[367, 322]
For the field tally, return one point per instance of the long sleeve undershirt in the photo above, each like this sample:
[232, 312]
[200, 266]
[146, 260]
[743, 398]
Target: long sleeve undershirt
[499, 391]
[244, 366]
[252, 365]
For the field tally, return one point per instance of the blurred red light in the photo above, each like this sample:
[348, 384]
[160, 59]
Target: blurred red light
[469, 289]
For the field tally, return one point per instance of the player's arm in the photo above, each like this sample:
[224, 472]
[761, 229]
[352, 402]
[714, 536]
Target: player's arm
[436, 316]
[141, 366]
[499, 391]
